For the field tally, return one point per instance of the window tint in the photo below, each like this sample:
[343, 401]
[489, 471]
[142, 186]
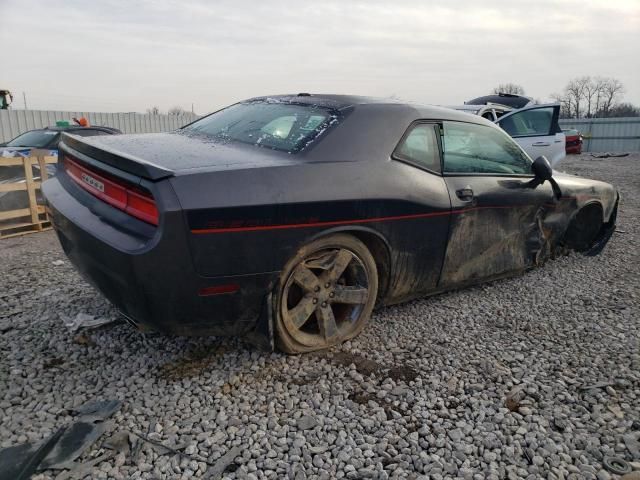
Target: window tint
[34, 138]
[471, 148]
[270, 124]
[529, 123]
[420, 147]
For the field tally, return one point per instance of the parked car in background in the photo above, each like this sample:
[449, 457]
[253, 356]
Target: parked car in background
[48, 139]
[534, 127]
[44, 139]
[574, 141]
[490, 111]
[507, 99]
[293, 216]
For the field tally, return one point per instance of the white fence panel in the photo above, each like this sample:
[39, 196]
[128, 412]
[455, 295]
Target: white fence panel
[607, 134]
[15, 122]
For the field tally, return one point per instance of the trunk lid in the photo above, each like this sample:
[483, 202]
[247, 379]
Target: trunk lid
[161, 155]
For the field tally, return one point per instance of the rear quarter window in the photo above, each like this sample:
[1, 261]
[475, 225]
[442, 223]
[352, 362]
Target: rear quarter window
[419, 146]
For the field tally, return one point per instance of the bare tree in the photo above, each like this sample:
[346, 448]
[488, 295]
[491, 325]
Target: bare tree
[177, 110]
[589, 96]
[575, 90]
[599, 97]
[591, 88]
[153, 110]
[612, 88]
[565, 104]
[511, 88]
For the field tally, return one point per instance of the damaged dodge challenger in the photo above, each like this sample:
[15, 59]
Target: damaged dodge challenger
[287, 219]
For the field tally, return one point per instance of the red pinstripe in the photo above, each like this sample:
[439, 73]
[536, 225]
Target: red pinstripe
[201, 231]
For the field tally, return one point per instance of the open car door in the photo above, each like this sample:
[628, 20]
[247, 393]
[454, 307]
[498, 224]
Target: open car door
[535, 128]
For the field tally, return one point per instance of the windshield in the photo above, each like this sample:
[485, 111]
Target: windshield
[271, 124]
[34, 138]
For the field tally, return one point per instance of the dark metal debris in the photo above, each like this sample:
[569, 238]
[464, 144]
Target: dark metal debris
[81, 470]
[61, 449]
[21, 461]
[597, 385]
[73, 442]
[97, 410]
[609, 155]
[216, 471]
[616, 465]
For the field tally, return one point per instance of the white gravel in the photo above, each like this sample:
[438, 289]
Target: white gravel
[422, 393]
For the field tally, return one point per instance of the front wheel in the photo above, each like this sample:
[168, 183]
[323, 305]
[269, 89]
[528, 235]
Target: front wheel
[326, 294]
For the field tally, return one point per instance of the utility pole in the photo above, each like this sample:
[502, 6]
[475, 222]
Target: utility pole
[24, 97]
[191, 108]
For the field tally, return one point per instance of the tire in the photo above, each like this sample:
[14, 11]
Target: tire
[326, 294]
[584, 228]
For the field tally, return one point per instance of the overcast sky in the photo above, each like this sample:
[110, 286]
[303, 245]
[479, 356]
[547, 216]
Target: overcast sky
[112, 55]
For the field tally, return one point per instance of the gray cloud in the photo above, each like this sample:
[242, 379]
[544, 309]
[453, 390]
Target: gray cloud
[127, 56]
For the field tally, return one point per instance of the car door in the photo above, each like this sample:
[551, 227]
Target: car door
[537, 131]
[420, 245]
[496, 222]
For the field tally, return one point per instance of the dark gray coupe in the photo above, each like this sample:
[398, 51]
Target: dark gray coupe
[288, 218]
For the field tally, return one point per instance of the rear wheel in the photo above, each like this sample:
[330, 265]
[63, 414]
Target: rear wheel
[326, 294]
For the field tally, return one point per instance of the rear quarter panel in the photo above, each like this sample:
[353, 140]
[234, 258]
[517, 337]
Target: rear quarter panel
[252, 221]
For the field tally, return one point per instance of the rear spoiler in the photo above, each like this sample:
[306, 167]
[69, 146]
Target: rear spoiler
[122, 161]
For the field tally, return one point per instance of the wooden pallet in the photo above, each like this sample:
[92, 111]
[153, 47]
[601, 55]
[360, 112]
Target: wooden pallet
[32, 217]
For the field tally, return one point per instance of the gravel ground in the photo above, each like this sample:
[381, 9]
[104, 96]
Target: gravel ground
[422, 393]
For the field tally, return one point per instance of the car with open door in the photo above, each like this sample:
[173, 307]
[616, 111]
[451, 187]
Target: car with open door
[535, 128]
[510, 100]
[490, 111]
[288, 218]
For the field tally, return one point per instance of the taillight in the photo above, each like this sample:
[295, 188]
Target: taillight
[126, 197]
[142, 206]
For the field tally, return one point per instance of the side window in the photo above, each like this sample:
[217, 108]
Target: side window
[529, 123]
[420, 147]
[472, 148]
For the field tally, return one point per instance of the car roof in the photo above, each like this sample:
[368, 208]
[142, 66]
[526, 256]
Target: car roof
[477, 108]
[467, 108]
[507, 99]
[57, 128]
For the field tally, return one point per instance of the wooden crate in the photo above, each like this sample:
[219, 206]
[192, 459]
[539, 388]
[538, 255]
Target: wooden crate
[32, 217]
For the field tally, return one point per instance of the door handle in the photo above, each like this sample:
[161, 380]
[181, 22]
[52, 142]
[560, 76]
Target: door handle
[540, 144]
[465, 194]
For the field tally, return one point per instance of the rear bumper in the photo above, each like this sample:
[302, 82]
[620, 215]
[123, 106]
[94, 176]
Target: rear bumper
[150, 279]
[574, 149]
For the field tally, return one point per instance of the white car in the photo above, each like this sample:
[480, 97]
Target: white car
[534, 127]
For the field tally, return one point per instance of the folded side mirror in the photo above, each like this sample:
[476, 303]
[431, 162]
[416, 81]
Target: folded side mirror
[543, 172]
[542, 169]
